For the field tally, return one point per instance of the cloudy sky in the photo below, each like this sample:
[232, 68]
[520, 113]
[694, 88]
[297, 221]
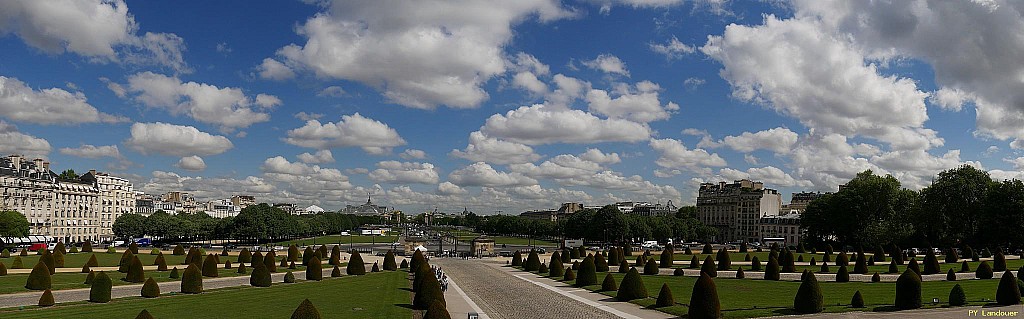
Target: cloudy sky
[510, 105]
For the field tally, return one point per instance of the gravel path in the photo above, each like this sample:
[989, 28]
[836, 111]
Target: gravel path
[501, 295]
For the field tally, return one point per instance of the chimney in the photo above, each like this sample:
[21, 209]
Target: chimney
[38, 162]
[16, 161]
[46, 166]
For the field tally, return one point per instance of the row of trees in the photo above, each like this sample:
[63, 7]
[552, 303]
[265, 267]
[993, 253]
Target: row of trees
[962, 206]
[255, 223]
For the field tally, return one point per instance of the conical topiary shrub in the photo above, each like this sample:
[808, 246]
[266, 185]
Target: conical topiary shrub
[293, 252]
[565, 255]
[126, 261]
[289, 278]
[824, 268]
[631, 287]
[100, 290]
[257, 258]
[174, 274]
[144, 314]
[723, 260]
[964, 267]
[210, 267]
[376, 268]
[556, 269]
[600, 263]
[429, 292]
[569, 275]
[771, 272]
[389, 261]
[244, 256]
[355, 264]
[58, 259]
[150, 289]
[135, 272]
[931, 263]
[241, 269]
[306, 310]
[694, 262]
[314, 271]
[999, 261]
[623, 266]
[39, 279]
[270, 261]
[709, 267]
[48, 260]
[740, 274]
[842, 275]
[651, 267]
[336, 272]
[292, 265]
[404, 265]
[587, 274]
[957, 298]
[532, 262]
[543, 269]
[417, 259]
[260, 276]
[336, 256]
[180, 251]
[755, 264]
[984, 271]
[861, 265]
[912, 265]
[90, 277]
[788, 264]
[908, 290]
[857, 301]
[321, 253]
[1008, 292]
[704, 302]
[951, 256]
[892, 267]
[951, 275]
[227, 264]
[667, 257]
[609, 283]
[87, 247]
[808, 298]
[307, 255]
[876, 278]
[192, 280]
[46, 299]
[665, 297]
[707, 249]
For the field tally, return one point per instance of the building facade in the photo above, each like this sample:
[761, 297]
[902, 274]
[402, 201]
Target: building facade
[221, 208]
[784, 228]
[736, 209]
[28, 189]
[116, 196]
[77, 214]
[243, 201]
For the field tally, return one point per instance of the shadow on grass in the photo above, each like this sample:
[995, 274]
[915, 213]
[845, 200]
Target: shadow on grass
[888, 308]
[406, 289]
[405, 305]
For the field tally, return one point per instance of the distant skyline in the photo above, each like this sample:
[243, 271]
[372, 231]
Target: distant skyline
[510, 105]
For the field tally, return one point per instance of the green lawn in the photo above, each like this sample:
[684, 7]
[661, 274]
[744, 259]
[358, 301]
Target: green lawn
[344, 240]
[103, 258]
[375, 295]
[746, 298]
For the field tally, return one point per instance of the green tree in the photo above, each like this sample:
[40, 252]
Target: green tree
[129, 226]
[609, 283]
[950, 206]
[355, 264]
[868, 209]
[68, 175]
[13, 224]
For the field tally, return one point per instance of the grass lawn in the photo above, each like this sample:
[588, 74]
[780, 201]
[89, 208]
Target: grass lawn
[375, 295]
[105, 259]
[745, 298]
[335, 239]
[683, 261]
[60, 281]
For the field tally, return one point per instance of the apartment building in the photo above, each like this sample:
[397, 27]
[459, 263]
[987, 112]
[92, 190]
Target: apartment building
[735, 209]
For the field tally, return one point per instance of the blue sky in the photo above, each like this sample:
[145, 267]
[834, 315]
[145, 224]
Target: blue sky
[510, 106]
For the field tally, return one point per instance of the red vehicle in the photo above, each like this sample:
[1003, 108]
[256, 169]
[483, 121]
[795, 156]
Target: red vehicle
[36, 246]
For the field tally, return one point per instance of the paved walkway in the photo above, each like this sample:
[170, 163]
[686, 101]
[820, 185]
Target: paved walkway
[505, 293]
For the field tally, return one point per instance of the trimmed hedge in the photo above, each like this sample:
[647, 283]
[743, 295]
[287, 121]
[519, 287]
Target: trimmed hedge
[772, 271]
[908, 290]
[336, 272]
[39, 279]
[404, 265]
[667, 257]
[587, 274]
[651, 267]
[609, 283]
[46, 299]
[631, 287]
[957, 298]
[808, 298]
[160, 262]
[600, 263]
[984, 271]
[999, 261]
[47, 258]
[210, 267]
[389, 260]
[912, 265]
[704, 299]
[723, 260]
[87, 247]
[260, 276]
[517, 259]
[289, 278]
[150, 289]
[532, 262]
[437, 310]
[755, 264]
[964, 267]
[307, 255]
[293, 253]
[355, 264]
[135, 272]
[241, 269]
[951, 275]
[556, 269]
[174, 273]
[429, 292]
[192, 280]
[100, 290]
[1008, 292]
[824, 268]
[861, 266]
[931, 263]
[707, 250]
[244, 256]
[90, 277]
[857, 301]
[178, 250]
[665, 297]
[569, 275]
[694, 262]
[306, 310]
[709, 267]
[58, 259]
[842, 275]
[315, 270]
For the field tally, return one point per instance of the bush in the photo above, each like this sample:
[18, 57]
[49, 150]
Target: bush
[270, 261]
[772, 271]
[355, 265]
[260, 276]
[678, 272]
[951, 256]
[876, 278]
[1008, 292]
[60, 247]
[879, 254]
[429, 292]
[600, 263]
[58, 259]
[704, 299]
[134, 247]
[746, 257]
[667, 257]
[321, 253]
[17, 264]
[257, 258]
[964, 267]
[931, 263]
[39, 279]
[857, 301]
[241, 269]
[556, 269]
[47, 258]
[788, 264]
[174, 273]
[566, 258]
[824, 268]
[111, 250]
[808, 298]
[724, 262]
[292, 265]
[306, 310]
[293, 252]
[100, 290]
[740, 274]
[144, 314]
[307, 255]
[969, 253]
[569, 275]
[517, 259]
[87, 247]
[315, 270]
[694, 262]
[160, 262]
[632, 287]
[46, 299]
[587, 273]
[651, 267]
[244, 256]
[336, 272]
[210, 267]
[957, 297]
[404, 265]
[289, 278]
[150, 289]
[665, 297]
[125, 262]
[688, 251]
[389, 261]
[74, 250]
[984, 271]
[860, 267]
[90, 277]
[912, 265]
[532, 262]
[135, 273]
[707, 250]
[892, 267]
[842, 260]
[608, 284]
[24, 252]
[708, 267]
[192, 280]
[908, 290]
[743, 247]
[755, 264]
[842, 275]
[999, 261]
[623, 267]
[951, 275]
